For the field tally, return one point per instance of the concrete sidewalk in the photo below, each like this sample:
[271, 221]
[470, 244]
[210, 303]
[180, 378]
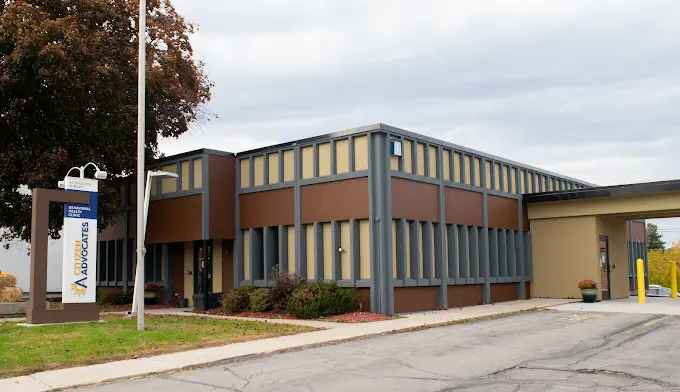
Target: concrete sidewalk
[336, 332]
[653, 305]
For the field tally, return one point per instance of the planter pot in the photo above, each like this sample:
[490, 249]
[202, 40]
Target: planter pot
[589, 295]
[183, 303]
[150, 298]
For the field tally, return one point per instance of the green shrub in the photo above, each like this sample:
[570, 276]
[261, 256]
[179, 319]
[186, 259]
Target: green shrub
[102, 296]
[122, 298]
[282, 288]
[260, 300]
[237, 300]
[320, 300]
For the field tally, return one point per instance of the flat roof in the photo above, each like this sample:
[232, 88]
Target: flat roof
[643, 188]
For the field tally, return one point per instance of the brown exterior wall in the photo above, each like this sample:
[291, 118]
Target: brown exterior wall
[638, 232]
[502, 292]
[221, 182]
[227, 265]
[526, 224]
[463, 207]
[268, 208]
[464, 295]
[415, 200]
[415, 299]
[363, 298]
[503, 213]
[174, 220]
[337, 200]
[528, 290]
[176, 261]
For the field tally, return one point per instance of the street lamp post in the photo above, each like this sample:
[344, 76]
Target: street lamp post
[141, 102]
[138, 296]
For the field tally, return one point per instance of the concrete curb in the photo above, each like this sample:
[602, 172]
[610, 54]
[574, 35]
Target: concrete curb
[195, 359]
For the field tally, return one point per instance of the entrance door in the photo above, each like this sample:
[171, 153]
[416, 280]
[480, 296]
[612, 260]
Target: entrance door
[604, 266]
[203, 265]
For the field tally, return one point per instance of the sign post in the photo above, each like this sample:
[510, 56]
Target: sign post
[79, 269]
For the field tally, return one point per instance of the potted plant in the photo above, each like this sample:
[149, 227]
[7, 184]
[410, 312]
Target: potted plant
[588, 290]
[151, 293]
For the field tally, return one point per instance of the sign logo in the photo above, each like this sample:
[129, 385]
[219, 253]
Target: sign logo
[80, 244]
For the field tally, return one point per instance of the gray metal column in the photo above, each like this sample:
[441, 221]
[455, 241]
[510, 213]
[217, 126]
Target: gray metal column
[484, 258]
[205, 197]
[440, 235]
[519, 238]
[167, 276]
[380, 211]
[318, 252]
[269, 252]
[300, 249]
[463, 253]
[238, 242]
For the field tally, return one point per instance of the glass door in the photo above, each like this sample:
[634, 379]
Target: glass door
[202, 266]
[604, 266]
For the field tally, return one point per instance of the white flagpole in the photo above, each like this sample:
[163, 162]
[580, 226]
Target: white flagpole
[141, 90]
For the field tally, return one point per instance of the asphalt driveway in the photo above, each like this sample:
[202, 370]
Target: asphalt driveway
[537, 351]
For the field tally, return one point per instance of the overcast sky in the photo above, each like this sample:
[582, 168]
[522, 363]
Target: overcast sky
[587, 89]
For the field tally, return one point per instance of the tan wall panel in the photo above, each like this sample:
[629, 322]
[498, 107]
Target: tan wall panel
[513, 181]
[258, 167]
[189, 266]
[342, 156]
[311, 261]
[291, 249]
[478, 172]
[522, 180]
[499, 174]
[506, 187]
[420, 158]
[289, 165]
[267, 208]
[324, 159]
[245, 173]
[217, 266]
[365, 250]
[615, 229]
[394, 249]
[488, 174]
[345, 260]
[660, 205]
[169, 184]
[433, 162]
[273, 169]
[198, 173]
[394, 163]
[337, 200]
[327, 251]
[415, 200]
[457, 164]
[564, 252]
[361, 153]
[408, 158]
[446, 162]
[154, 186]
[549, 184]
[246, 254]
[468, 169]
[185, 175]
[308, 162]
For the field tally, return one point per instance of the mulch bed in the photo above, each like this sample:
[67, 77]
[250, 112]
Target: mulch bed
[127, 308]
[354, 317]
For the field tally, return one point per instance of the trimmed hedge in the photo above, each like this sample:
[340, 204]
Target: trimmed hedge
[237, 300]
[260, 300]
[283, 287]
[320, 300]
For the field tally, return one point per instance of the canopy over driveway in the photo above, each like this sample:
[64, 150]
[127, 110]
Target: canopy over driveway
[581, 234]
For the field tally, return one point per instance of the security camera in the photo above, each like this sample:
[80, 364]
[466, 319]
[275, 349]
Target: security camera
[100, 175]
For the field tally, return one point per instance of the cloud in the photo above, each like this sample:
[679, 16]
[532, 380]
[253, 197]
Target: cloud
[587, 89]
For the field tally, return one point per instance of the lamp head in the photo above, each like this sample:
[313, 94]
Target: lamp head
[61, 184]
[100, 175]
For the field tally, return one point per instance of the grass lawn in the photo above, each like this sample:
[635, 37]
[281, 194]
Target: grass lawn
[26, 350]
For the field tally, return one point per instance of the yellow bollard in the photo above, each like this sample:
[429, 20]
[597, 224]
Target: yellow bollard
[641, 280]
[674, 280]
